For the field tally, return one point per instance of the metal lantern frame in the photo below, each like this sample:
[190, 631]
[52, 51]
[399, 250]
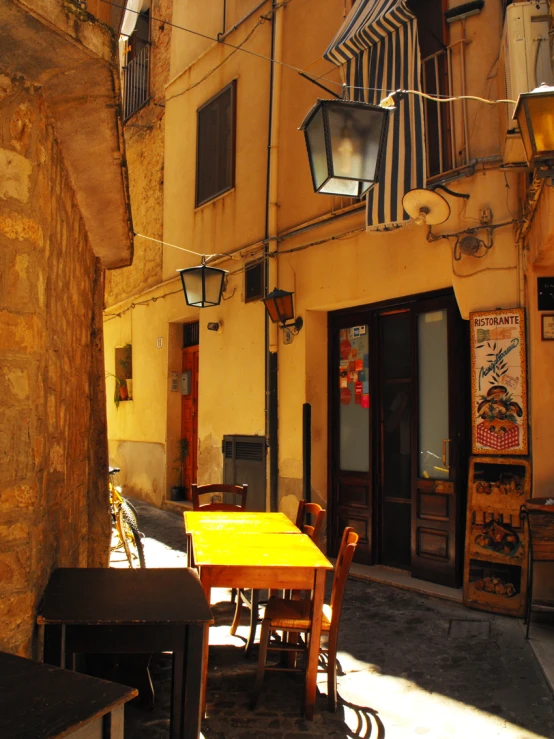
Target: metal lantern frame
[348, 106]
[203, 275]
[531, 122]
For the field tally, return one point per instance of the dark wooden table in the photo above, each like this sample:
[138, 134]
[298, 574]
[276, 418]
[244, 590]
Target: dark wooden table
[43, 701]
[122, 611]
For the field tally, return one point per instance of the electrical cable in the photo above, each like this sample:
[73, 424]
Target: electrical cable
[387, 101]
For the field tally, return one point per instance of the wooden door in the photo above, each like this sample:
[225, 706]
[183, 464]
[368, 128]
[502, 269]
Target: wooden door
[189, 417]
[440, 460]
[398, 426]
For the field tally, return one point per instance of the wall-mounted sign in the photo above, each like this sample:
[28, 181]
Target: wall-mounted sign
[545, 293]
[499, 382]
[547, 327]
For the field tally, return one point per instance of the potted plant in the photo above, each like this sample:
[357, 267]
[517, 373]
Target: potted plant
[120, 391]
[179, 491]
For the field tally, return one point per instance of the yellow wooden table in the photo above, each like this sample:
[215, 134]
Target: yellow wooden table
[241, 521]
[264, 560]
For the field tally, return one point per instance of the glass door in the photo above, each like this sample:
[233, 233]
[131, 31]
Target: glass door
[439, 465]
[352, 433]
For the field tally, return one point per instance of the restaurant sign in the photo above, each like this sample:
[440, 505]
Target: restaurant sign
[499, 382]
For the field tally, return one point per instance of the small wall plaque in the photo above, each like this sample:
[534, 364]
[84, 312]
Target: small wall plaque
[174, 382]
[547, 327]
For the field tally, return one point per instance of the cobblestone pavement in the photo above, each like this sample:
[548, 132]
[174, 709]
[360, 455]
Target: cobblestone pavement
[410, 666]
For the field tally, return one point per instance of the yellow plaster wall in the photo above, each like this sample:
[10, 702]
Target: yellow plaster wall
[363, 268]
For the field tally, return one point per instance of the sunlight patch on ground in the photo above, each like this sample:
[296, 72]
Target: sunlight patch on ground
[409, 711]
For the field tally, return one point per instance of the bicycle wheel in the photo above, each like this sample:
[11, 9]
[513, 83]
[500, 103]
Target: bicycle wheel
[132, 510]
[131, 540]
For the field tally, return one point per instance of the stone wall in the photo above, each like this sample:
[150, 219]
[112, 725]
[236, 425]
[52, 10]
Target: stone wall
[53, 448]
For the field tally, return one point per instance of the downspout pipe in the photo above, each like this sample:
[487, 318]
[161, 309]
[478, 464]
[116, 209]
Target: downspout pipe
[271, 271]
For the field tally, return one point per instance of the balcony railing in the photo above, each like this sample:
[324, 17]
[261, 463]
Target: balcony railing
[446, 124]
[136, 87]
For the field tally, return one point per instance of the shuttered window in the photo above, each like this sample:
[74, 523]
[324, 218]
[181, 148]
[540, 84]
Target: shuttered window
[215, 156]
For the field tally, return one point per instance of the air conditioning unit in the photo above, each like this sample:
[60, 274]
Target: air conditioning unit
[524, 64]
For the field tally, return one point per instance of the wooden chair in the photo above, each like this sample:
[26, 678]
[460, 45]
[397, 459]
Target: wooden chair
[294, 616]
[314, 531]
[219, 501]
[250, 599]
[220, 496]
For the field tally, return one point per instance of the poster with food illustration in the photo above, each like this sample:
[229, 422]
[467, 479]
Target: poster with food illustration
[495, 572]
[499, 382]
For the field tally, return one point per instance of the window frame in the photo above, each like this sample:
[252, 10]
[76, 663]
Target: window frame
[232, 86]
[252, 264]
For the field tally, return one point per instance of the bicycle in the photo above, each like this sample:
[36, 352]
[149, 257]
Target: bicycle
[125, 524]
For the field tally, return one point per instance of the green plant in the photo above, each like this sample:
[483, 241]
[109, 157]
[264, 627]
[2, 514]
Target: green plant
[119, 383]
[180, 459]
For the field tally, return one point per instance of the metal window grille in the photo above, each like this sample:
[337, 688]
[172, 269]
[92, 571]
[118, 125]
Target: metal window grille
[191, 334]
[447, 134]
[136, 82]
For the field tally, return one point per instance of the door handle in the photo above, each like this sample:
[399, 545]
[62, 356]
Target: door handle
[445, 443]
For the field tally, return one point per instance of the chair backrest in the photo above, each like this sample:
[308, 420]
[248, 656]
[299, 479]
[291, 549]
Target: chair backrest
[218, 497]
[342, 567]
[314, 531]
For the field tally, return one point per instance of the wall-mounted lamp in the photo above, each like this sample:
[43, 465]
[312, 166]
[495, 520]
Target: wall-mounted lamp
[216, 326]
[280, 308]
[345, 142]
[202, 285]
[535, 116]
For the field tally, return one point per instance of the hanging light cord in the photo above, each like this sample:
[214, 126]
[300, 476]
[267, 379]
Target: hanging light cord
[204, 257]
[389, 101]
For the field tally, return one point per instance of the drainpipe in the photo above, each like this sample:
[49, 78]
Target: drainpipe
[271, 272]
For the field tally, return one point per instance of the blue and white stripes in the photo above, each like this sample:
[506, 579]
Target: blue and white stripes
[378, 46]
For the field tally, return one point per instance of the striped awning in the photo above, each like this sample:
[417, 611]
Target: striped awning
[378, 45]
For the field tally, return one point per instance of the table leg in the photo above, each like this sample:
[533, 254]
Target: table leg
[315, 636]
[54, 646]
[205, 579]
[187, 686]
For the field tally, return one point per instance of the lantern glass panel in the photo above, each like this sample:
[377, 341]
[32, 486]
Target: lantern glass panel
[540, 112]
[349, 188]
[355, 141]
[525, 133]
[284, 306]
[315, 140]
[192, 285]
[213, 285]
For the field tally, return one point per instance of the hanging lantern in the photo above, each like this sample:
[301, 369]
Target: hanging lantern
[345, 142]
[535, 116]
[202, 285]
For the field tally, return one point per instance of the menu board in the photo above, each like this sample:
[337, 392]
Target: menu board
[499, 382]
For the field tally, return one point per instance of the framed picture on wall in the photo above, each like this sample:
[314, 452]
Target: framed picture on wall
[547, 326]
[499, 382]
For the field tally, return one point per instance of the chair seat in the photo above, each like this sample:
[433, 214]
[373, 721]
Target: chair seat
[285, 613]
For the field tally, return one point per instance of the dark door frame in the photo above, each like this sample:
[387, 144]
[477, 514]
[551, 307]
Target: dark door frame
[370, 310]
